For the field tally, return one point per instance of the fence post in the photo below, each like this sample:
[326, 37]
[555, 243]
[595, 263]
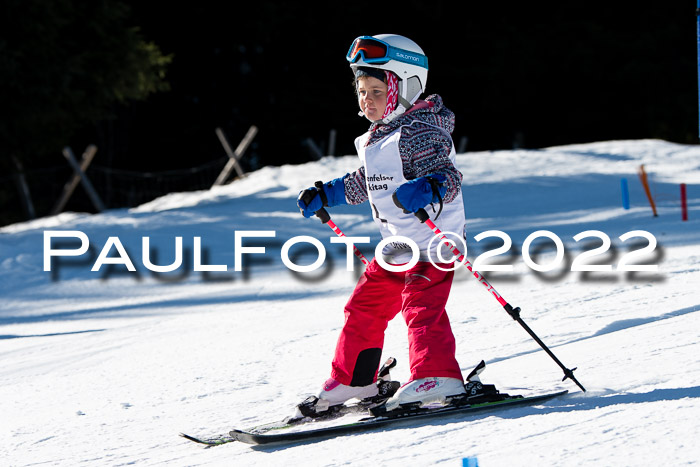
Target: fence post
[233, 156]
[462, 145]
[72, 184]
[23, 188]
[331, 142]
[313, 147]
[89, 189]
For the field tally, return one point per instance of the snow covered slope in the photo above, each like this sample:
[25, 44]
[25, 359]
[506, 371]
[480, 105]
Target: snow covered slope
[107, 367]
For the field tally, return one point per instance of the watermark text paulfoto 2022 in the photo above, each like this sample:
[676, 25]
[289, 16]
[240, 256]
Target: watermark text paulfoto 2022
[642, 254]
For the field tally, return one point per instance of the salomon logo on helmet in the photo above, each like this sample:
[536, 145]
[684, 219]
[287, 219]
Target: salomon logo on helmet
[408, 57]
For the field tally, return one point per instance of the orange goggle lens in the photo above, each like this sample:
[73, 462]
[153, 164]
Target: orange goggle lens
[370, 49]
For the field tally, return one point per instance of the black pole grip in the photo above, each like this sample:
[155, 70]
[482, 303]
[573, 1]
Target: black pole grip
[422, 215]
[323, 215]
[309, 194]
[321, 192]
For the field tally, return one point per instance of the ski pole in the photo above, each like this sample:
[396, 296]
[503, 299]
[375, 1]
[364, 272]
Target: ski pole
[326, 219]
[423, 216]
[340, 233]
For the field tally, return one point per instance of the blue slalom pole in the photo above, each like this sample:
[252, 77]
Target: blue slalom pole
[625, 193]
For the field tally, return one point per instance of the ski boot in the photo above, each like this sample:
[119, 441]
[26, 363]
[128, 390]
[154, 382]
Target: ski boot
[331, 400]
[425, 391]
[444, 391]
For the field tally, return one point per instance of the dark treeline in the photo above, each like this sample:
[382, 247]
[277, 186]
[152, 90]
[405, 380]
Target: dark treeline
[515, 75]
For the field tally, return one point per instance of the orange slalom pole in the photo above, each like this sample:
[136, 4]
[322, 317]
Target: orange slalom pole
[645, 184]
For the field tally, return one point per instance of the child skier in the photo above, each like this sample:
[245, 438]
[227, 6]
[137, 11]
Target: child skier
[407, 162]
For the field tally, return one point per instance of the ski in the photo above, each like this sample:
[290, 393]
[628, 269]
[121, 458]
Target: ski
[308, 409]
[289, 422]
[215, 441]
[310, 423]
[257, 437]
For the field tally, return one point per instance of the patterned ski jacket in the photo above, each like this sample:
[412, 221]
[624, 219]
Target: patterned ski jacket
[423, 148]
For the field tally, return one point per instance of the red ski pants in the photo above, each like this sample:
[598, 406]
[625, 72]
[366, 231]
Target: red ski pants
[420, 295]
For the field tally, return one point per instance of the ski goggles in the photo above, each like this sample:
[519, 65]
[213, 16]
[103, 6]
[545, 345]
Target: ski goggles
[376, 51]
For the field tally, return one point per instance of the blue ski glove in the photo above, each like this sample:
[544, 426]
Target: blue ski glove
[331, 194]
[418, 193]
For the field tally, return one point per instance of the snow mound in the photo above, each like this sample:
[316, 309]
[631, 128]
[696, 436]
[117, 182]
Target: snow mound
[107, 367]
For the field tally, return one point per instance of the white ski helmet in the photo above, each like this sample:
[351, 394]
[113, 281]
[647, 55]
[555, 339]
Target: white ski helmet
[397, 54]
